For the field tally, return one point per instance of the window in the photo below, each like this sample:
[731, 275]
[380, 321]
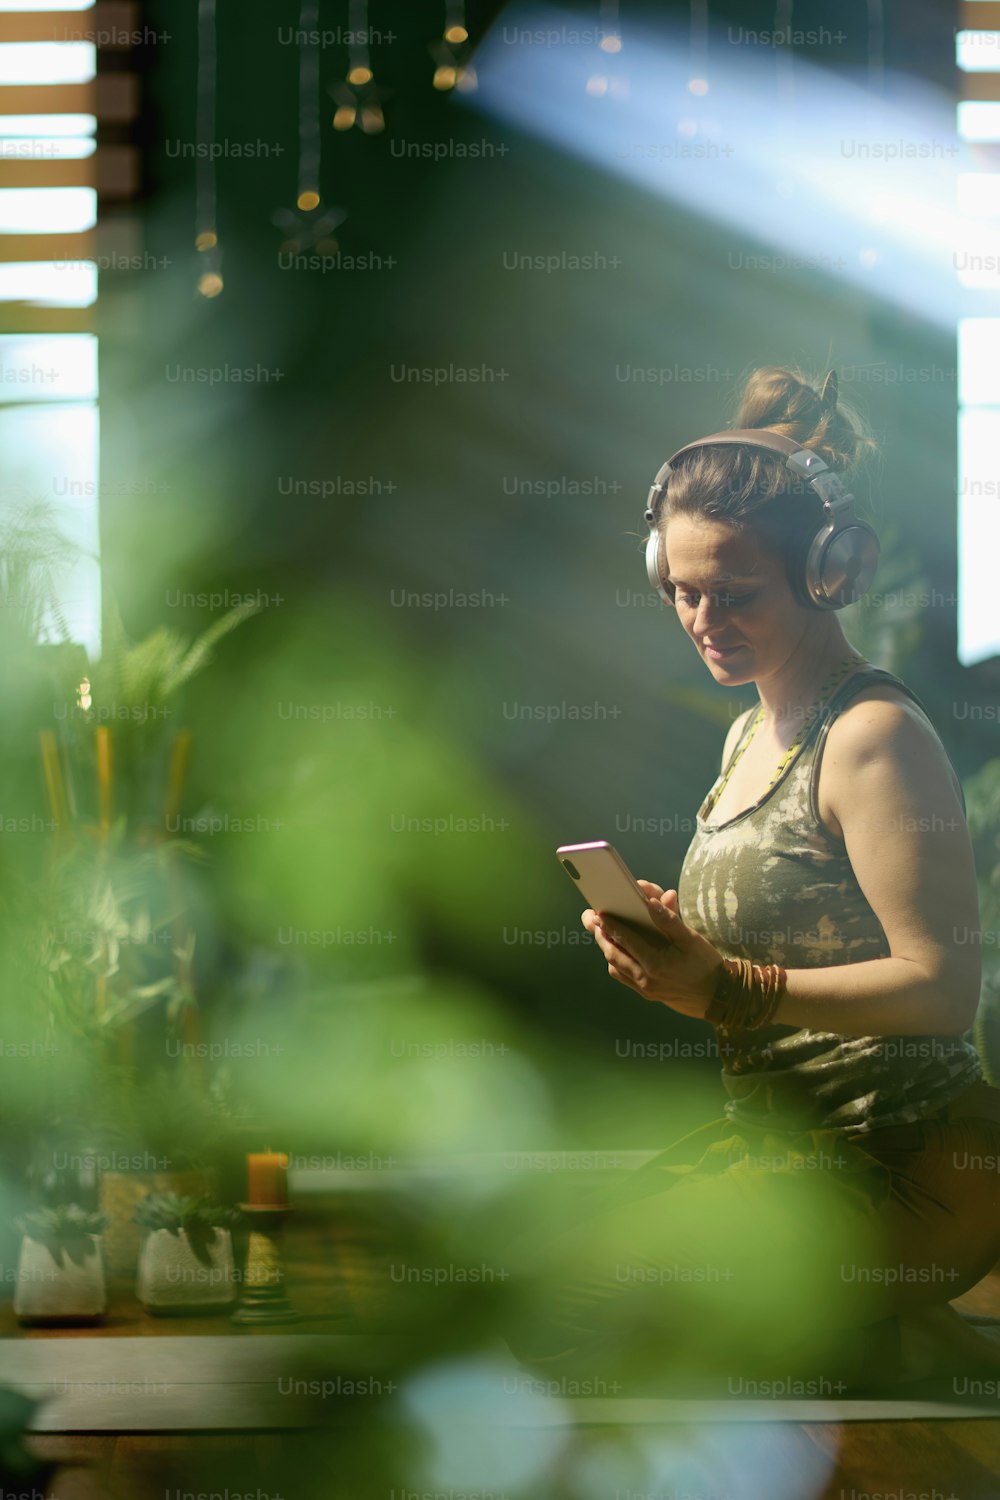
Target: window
[977, 53]
[49, 428]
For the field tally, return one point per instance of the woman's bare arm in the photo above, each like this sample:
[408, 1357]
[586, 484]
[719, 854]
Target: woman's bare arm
[893, 793]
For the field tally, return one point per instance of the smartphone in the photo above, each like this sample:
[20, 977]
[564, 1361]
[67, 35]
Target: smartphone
[604, 879]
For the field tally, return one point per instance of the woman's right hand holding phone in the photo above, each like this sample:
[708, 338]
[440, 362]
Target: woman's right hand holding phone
[681, 971]
[650, 888]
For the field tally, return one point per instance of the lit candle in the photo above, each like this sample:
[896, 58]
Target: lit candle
[267, 1179]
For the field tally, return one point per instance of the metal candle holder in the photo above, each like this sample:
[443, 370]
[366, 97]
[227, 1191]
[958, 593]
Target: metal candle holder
[264, 1299]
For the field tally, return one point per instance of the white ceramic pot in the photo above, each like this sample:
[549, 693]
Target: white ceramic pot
[48, 1292]
[120, 1195]
[173, 1280]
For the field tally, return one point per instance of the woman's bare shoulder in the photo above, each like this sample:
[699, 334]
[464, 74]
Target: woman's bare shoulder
[876, 707]
[881, 716]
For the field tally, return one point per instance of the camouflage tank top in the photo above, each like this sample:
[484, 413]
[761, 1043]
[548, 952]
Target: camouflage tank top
[774, 885]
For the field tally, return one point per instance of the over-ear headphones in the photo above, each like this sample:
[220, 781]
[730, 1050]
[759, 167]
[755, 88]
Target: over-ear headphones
[842, 557]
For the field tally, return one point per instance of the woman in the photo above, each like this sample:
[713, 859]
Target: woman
[851, 1190]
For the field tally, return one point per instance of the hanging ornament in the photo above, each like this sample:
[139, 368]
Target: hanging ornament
[358, 98]
[206, 238]
[610, 43]
[453, 70]
[311, 226]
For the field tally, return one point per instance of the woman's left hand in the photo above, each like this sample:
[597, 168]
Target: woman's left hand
[680, 971]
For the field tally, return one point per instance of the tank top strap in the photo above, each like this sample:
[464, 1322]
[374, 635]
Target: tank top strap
[751, 717]
[857, 680]
[862, 678]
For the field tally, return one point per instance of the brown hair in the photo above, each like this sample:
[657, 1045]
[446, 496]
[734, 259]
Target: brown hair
[731, 483]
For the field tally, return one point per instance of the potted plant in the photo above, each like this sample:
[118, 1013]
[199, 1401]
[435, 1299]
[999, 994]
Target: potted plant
[166, 1133]
[111, 1138]
[186, 1262]
[60, 1274]
[120, 906]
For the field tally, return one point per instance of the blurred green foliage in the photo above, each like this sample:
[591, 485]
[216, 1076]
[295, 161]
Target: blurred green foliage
[982, 792]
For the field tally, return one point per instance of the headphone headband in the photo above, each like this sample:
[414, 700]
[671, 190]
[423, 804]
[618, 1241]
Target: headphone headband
[755, 437]
[843, 555]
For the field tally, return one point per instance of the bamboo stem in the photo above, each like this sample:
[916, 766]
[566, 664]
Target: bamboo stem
[190, 1016]
[102, 735]
[178, 771]
[53, 777]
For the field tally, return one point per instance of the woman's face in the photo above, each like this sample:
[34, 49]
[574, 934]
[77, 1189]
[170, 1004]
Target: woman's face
[731, 593]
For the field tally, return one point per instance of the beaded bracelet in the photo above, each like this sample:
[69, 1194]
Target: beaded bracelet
[746, 994]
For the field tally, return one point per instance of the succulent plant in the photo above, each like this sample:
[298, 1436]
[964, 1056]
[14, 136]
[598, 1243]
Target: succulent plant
[199, 1218]
[65, 1228]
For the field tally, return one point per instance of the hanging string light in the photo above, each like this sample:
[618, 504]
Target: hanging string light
[610, 43]
[784, 56]
[876, 46]
[206, 238]
[611, 40]
[698, 82]
[358, 97]
[783, 16]
[312, 226]
[453, 70]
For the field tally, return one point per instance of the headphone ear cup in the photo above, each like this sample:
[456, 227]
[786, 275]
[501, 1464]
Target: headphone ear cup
[841, 565]
[656, 554]
[656, 566]
[798, 576]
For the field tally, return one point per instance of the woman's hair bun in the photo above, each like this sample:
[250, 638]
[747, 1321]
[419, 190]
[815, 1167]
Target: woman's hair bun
[806, 410]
